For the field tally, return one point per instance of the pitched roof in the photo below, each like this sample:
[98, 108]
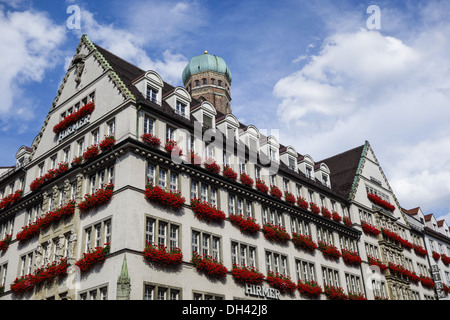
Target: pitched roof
[412, 212]
[343, 168]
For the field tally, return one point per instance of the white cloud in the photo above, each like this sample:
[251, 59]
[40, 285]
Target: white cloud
[29, 49]
[130, 46]
[364, 85]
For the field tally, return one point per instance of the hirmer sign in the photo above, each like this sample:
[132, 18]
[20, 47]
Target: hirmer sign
[260, 291]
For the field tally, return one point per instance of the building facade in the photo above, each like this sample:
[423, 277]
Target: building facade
[135, 189]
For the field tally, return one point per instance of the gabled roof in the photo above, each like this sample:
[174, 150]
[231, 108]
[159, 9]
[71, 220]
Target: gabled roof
[343, 168]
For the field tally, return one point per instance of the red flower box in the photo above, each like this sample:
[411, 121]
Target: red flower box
[195, 159]
[107, 143]
[229, 173]
[207, 212]
[420, 251]
[347, 222]
[325, 213]
[380, 202]
[329, 251]
[4, 244]
[52, 173]
[248, 225]
[289, 197]
[275, 233]
[436, 255]
[369, 229]
[28, 232]
[314, 208]
[392, 236]
[208, 265]
[151, 140]
[427, 282]
[246, 180]
[56, 215]
[281, 282]
[74, 117]
[309, 289]
[356, 296]
[77, 160]
[93, 257]
[211, 165]
[302, 203]
[335, 293]
[445, 259]
[26, 283]
[91, 152]
[304, 242]
[378, 263]
[97, 199]
[248, 275]
[261, 186]
[336, 217]
[162, 256]
[164, 198]
[11, 199]
[275, 192]
[172, 148]
[351, 258]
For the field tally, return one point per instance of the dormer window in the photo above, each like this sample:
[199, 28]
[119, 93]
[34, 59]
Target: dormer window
[151, 94]
[197, 83]
[273, 154]
[324, 179]
[291, 164]
[308, 172]
[207, 121]
[231, 132]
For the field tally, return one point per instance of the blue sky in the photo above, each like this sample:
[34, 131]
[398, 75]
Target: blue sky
[311, 69]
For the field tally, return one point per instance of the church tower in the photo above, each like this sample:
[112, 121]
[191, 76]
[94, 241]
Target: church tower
[207, 78]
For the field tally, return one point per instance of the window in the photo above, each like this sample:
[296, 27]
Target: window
[353, 283]
[257, 172]
[325, 235]
[308, 172]
[205, 243]
[305, 270]
[270, 215]
[207, 296]
[97, 235]
[180, 108]
[241, 166]
[173, 182]
[276, 262]
[111, 127]
[273, 154]
[95, 137]
[162, 232]
[170, 133]
[162, 178]
[243, 254]
[151, 94]
[3, 272]
[330, 277]
[324, 179]
[207, 121]
[80, 144]
[67, 155]
[148, 124]
[99, 293]
[291, 163]
[300, 226]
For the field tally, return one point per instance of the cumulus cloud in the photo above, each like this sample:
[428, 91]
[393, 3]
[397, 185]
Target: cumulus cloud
[29, 49]
[394, 92]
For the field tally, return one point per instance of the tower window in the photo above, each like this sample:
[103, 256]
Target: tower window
[204, 81]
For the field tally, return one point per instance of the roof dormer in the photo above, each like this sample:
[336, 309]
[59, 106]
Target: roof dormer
[150, 85]
[180, 101]
[306, 165]
[22, 156]
[250, 136]
[205, 113]
[228, 125]
[270, 146]
[322, 173]
[288, 156]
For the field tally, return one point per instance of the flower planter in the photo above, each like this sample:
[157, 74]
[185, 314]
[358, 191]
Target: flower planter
[172, 148]
[25, 284]
[56, 215]
[212, 166]
[289, 198]
[314, 208]
[329, 251]
[246, 180]
[107, 143]
[380, 202]
[336, 217]
[196, 160]
[100, 198]
[4, 244]
[325, 213]
[51, 174]
[77, 161]
[209, 266]
[11, 199]
[420, 251]
[168, 199]
[261, 186]
[427, 282]
[347, 222]
[247, 225]
[369, 229]
[378, 263]
[207, 212]
[281, 282]
[93, 257]
[445, 259]
[91, 152]
[71, 119]
[28, 232]
[275, 192]
[248, 275]
[302, 203]
[335, 293]
[309, 289]
[351, 258]
[229, 173]
[356, 296]
[162, 256]
[153, 141]
[304, 242]
[276, 233]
